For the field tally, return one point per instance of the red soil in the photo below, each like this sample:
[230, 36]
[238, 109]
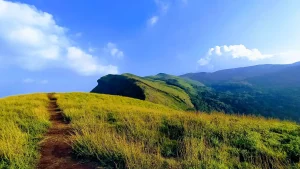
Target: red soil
[56, 149]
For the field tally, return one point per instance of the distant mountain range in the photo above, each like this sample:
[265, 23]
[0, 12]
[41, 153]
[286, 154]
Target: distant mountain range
[267, 90]
[246, 73]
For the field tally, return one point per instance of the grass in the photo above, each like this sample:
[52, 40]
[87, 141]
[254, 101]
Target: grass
[160, 92]
[153, 90]
[187, 85]
[23, 121]
[120, 132]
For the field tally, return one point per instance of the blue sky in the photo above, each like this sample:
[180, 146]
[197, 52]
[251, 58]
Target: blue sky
[67, 45]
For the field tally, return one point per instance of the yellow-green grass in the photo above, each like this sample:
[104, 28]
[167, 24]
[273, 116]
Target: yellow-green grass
[120, 132]
[157, 91]
[23, 121]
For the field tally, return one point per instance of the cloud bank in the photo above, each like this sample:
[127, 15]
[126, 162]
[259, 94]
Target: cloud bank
[230, 56]
[31, 39]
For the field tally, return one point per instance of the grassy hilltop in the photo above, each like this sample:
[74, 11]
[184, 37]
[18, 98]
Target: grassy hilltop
[120, 132]
[152, 90]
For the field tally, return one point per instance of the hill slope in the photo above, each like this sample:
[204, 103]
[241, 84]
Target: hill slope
[121, 132]
[268, 90]
[148, 89]
[23, 121]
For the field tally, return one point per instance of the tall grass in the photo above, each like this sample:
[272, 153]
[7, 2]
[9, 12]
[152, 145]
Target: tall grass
[120, 132]
[23, 120]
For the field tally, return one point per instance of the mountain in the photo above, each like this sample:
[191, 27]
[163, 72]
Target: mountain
[237, 74]
[266, 90]
[109, 131]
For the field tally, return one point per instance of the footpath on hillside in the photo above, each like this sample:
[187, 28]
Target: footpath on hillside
[56, 149]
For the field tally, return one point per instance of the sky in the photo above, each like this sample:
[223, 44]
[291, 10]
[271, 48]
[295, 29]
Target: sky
[66, 45]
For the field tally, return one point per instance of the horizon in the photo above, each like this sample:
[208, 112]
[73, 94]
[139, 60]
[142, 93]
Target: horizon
[18, 94]
[48, 46]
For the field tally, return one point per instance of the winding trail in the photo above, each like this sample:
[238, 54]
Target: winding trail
[56, 149]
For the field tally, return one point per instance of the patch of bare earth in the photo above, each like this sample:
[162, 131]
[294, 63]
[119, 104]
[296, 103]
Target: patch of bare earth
[56, 149]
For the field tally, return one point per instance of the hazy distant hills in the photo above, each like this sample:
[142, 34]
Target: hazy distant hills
[267, 90]
[244, 73]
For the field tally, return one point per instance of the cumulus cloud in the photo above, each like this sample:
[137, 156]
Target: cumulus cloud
[112, 49]
[86, 64]
[230, 56]
[31, 39]
[153, 20]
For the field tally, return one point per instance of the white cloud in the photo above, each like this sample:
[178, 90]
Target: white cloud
[234, 52]
[112, 49]
[31, 39]
[203, 61]
[239, 51]
[86, 64]
[153, 20]
[163, 7]
[221, 57]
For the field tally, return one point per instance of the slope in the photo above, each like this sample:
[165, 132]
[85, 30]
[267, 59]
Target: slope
[152, 90]
[268, 90]
[23, 121]
[121, 132]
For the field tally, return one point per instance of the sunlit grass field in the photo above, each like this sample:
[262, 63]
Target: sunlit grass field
[119, 132]
[23, 121]
[158, 91]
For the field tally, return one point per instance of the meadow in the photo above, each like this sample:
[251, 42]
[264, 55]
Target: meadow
[23, 121]
[120, 132]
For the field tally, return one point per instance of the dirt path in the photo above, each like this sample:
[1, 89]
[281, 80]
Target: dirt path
[56, 150]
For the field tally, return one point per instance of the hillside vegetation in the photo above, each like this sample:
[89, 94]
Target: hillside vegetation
[152, 90]
[266, 90]
[23, 121]
[120, 132]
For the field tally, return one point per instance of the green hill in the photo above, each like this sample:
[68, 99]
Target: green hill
[268, 90]
[274, 93]
[152, 90]
[121, 132]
